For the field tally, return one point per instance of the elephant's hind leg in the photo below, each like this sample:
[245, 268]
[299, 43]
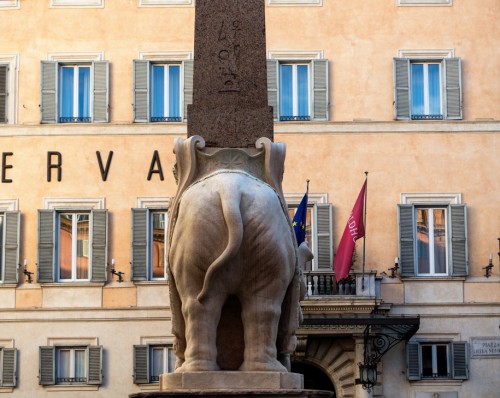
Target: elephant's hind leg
[201, 319]
[260, 318]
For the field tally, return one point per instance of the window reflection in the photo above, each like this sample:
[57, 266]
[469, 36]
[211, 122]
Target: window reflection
[158, 245]
[431, 240]
[74, 250]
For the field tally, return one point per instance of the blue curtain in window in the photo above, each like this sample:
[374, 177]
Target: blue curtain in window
[303, 90]
[157, 91]
[434, 89]
[417, 89]
[84, 92]
[286, 90]
[174, 91]
[67, 91]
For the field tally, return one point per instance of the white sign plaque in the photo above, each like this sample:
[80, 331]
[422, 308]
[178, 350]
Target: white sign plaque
[485, 346]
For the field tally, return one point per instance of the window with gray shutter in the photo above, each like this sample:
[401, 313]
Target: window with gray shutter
[406, 240]
[320, 89]
[459, 256]
[324, 236]
[188, 85]
[8, 367]
[402, 88]
[101, 91]
[453, 84]
[48, 105]
[141, 91]
[413, 361]
[47, 366]
[99, 245]
[141, 364]
[46, 247]
[460, 360]
[11, 247]
[94, 368]
[272, 86]
[140, 244]
[4, 87]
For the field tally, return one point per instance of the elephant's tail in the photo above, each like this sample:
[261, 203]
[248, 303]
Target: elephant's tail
[230, 202]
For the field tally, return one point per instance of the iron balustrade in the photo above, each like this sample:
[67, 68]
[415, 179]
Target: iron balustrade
[71, 380]
[426, 117]
[321, 283]
[295, 118]
[157, 119]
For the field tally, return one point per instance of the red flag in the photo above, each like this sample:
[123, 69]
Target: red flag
[354, 230]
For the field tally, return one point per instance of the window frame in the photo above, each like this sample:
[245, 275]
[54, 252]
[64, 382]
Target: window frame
[75, 117]
[456, 230]
[11, 61]
[143, 360]
[321, 228]
[457, 359]
[166, 97]
[295, 98]
[426, 96]
[72, 379]
[142, 238]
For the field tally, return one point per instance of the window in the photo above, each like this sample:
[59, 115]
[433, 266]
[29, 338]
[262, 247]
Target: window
[149, 234]
[437, 360]
[427, 89]
[74, 92]
[151, 361]
[318, 229]
[433, 239]
[162, 90]
[8, 88]
[298, 89]
[9, 246]
[73, 365]
[8, 367]
[72, 245]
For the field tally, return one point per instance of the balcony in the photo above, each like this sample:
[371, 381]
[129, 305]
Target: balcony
[322, 285]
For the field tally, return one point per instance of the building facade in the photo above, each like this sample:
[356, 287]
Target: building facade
[93, 94]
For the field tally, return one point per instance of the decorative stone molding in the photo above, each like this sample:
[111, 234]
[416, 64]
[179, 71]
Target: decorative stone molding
[426, 53]
[295, 55]
[318, 3]
[74, 203]
[9, 5]
[153, 203]
[424, 3]
[428, 198]
[166, 3]
[9, 204]
[166, 55]
[76, 4]
[76, 57]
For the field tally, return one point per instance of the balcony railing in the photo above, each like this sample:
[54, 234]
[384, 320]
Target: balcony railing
[323, 284]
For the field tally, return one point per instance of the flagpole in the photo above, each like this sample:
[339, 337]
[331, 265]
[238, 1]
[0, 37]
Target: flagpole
[364, 237]
[307, 189]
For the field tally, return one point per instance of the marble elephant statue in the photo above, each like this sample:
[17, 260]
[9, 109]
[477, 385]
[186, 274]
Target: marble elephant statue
[232, 239]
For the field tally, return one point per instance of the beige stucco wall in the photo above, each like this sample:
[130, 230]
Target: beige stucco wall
[359, 37]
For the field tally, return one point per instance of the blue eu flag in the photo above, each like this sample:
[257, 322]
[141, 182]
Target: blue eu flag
[299, 220]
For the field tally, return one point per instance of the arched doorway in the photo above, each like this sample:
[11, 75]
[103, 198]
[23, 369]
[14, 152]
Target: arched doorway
[314, 377]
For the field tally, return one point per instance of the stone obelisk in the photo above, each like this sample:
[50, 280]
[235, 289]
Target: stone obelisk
[230, 107]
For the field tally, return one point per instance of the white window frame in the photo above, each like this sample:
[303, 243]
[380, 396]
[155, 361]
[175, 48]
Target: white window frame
[434, 345]
[72, 360]
[155, 205]
[424, 3]
[293, 201]
[166, 3]
[166, 97]
[76, 92]
[167, 351]
[318, 3]
[12, 60]
[10, 5]
[76, 4]
[295, 95]
[74, 245]
[425, 83]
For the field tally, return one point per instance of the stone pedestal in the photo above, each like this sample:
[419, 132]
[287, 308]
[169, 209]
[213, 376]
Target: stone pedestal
[232, 384]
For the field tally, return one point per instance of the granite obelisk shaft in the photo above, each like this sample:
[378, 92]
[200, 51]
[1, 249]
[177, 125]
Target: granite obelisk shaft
[230, 106]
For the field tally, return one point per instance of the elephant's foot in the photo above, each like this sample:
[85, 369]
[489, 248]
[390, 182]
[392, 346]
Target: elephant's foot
[197, 366]
[271, 366]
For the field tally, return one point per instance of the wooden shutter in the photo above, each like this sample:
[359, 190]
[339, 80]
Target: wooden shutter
[320, 89]
[406, 240]
[188, 85]
[460, 363]
[99, 245]
[4, 92]
[11, 248]
[453, 85]
[8, 367]
[413, 361]
[48, 106]
[141, 364]
[402, 88]
[272, 86]
[140, 244]
[47, 366]
[459, 256]
[46, 235]
[141, 91]
[323, 254]
[101, 91]
[94, 365]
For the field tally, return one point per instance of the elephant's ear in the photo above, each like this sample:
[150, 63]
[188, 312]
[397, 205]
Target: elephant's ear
[275, 153]
[185, 170]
